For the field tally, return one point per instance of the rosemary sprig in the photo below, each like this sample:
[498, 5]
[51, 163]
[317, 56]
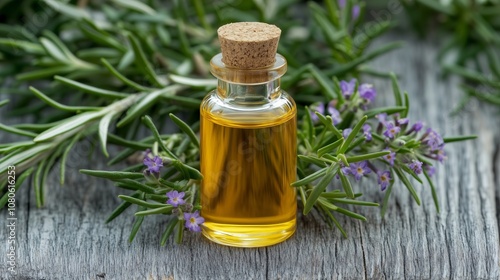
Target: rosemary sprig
[148, 59]
[472, 44]
[103, 66]
[394, 150]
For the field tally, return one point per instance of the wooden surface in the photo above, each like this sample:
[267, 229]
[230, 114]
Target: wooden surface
[68, 239]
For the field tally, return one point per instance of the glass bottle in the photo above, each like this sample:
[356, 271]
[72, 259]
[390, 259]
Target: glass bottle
[248, 156]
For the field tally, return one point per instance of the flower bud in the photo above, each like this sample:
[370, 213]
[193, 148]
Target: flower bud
[188, 207]
[151, 177]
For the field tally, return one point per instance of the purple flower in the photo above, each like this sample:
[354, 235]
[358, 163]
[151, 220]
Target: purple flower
[355, 12]
[416, 166]
[390, 158]
[346, 132]
[384, 178]
[348, 88]
[440, 155]
[359, 169]
[153, 164]
[146, 153]
[320, 107]
[334, 113]
[175, 198]
[381, 118]
[367, 92]
[331, 107]
[336, 119]
[433, 140]
[391, 130]
[193, 221]
[403, 121]
[355, 9]
[345, 170]
[367, 132]
[431, 170]
[417, 126]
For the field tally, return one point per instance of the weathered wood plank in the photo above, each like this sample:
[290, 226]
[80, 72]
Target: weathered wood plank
[68, 239]
[462, 241]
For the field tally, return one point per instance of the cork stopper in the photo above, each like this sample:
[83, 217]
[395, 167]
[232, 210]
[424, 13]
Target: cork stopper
[248, 45]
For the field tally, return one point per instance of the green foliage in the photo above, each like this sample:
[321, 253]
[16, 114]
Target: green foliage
[99, 71]
[140, 57]
[473, 42]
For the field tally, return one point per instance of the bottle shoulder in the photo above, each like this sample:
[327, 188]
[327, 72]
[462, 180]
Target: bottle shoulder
[278, 110]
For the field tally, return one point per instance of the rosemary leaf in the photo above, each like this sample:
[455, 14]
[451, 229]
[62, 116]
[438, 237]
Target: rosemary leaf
[69, 126]
[407, 183]
[364, 58]
[160, 210]
[320, 187]
[168, 230]
[122, 207]
[131, 184]
[459, 138]
[396, 90]
[351, 201]
[66, 9]
[38, 186]
[186, 129]
[329, 124]
[351, 214]
[64, 156]
[19, 182]
[141, 202]
[202, 83]
[324, 83]
[433, 190]
[310, 178]
[180, 231]
[146, 102]
[45, 73]
[90, 89]
[137, 225]
[388, 110]
[352, 135]
[412, 173]
[404, 114]
[60, 106]
[346, 185]
[29, 47]
[330, 147]
[17, 131]
[367, 156]
[135, 6]
[314, 160]
[112, 175]
[4, 102]
[149, 123]
[337, 224]
[388, 191]
[103, 132]
[143, 63]
[122, 78]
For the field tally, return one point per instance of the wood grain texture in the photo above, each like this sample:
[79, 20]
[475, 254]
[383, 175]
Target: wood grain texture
[69, 240]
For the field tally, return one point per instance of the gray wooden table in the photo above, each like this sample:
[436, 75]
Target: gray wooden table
[69, 240]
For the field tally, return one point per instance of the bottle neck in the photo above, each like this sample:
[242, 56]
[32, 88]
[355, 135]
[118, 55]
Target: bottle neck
[248, 86]
[248, 93]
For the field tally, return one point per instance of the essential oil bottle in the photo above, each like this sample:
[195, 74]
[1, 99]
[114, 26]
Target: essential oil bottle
[248, 141]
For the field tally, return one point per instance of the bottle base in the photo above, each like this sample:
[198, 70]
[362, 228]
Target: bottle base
[248, 236]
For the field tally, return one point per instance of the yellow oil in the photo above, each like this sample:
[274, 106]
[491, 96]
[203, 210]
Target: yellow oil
[247, 200]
